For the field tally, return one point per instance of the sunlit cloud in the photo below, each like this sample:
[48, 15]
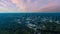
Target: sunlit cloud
[29, 5]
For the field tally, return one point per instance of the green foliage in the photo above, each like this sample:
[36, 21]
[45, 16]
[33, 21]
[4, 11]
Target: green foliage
[4, 32]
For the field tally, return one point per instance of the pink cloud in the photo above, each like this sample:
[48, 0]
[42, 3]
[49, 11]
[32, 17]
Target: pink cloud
[50, 8]
[37, 5]
[3, 4]
[6, 4]
[27, 5]
[19, 4]
[52, 5]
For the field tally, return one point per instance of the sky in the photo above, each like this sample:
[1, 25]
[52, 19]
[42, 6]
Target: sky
[29, 5]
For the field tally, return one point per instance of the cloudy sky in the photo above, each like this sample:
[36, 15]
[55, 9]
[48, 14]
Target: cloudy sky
[29, 5]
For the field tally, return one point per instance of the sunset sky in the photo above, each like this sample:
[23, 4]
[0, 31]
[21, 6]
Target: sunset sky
[29, 5]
